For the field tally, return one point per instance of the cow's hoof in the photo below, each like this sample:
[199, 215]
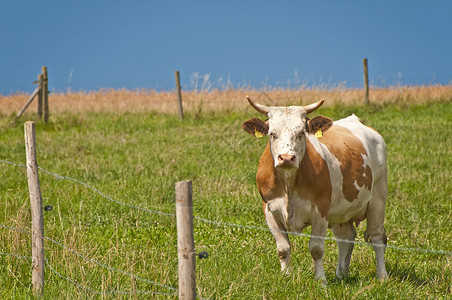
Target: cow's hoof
[286, 271]
[341, 275]
[322, 280]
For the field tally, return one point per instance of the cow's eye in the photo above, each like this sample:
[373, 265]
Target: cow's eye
[301, 134]
[273, 135]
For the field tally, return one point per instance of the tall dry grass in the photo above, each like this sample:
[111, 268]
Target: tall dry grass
[136, 101]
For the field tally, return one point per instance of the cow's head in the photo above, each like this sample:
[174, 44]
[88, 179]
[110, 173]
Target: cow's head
[287, 128]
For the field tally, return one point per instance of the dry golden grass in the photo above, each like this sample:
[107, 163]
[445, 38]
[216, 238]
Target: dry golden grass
[135, 101]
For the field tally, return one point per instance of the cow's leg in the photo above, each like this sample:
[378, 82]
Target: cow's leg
[345, 233]
[281, 238]
[375, 230]
[317, 244]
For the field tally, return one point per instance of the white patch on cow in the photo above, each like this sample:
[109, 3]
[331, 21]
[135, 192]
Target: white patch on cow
[301, 213]
[278, 209]
[366, 161]
[285, 125]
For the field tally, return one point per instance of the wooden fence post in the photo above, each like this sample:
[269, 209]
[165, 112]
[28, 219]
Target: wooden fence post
[45, 93]
[40, 94]
[33, 95]
[179, 95]
[366, 81]
[37, 221]
[185, 240]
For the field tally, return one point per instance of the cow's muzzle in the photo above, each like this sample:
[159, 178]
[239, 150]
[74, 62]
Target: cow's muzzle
[286, 160]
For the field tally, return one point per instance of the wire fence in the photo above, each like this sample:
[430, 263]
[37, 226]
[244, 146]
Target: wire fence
[225, 224]
[91, 260]
[80, 286]
[172, 290]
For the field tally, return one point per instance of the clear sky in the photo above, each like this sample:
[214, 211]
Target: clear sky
[89, 45]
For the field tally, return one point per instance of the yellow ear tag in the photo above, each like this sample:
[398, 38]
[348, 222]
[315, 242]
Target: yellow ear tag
[258, 134]
[318, 133]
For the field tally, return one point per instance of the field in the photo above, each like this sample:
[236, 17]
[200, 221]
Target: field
[133, 149]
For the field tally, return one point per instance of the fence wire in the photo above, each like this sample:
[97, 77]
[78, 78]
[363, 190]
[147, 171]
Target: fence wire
[87, 288]
[224, 224]
[398, 248]
[105, 293]
[58, 177]
[91, 259]
[15, 255]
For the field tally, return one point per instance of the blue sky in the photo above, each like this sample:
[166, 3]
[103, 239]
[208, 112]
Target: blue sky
[89, 45]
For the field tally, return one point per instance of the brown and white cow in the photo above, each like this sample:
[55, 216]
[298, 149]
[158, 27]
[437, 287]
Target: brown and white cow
[321, 173]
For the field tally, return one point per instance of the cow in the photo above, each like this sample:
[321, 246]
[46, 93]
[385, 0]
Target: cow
[321, 173]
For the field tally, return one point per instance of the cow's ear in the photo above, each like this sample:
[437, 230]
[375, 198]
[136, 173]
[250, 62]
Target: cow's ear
[256, 127]
[319, 123]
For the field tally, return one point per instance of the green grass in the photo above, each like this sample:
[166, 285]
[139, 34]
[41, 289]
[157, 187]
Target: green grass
[137, 158]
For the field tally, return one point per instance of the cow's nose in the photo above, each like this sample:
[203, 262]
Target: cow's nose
[286, 159]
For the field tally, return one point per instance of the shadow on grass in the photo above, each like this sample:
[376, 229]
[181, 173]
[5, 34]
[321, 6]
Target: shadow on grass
[395, 272]
[405, 273]
[349, 280]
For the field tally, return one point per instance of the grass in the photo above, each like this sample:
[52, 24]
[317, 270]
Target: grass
[136, 157]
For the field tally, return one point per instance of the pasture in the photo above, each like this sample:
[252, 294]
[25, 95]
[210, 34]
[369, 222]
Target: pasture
[135, 157]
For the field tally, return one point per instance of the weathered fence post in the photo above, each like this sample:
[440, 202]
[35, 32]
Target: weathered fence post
[37, 221]
[42, 91]
[40, 94]
[45, 93]
[179, 95]
[366, 81]
[185, 240]
[36, 91]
